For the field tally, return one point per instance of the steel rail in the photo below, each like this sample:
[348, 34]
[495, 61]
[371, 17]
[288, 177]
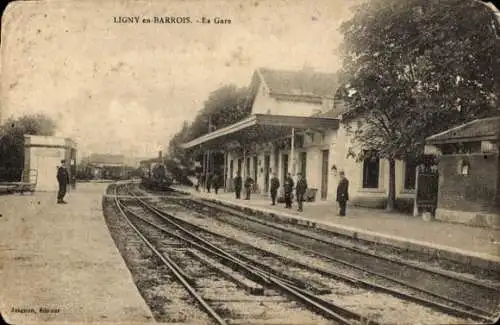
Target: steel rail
[482, 315]
[171, 265]
[346, 246]
[404, 283]
[326, 308]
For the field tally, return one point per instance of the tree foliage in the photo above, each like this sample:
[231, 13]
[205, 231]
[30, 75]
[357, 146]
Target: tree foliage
[225, 106]
[413, 68]
[12, 142]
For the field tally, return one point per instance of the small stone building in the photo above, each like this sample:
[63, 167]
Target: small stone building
[42, 156]
[469, 172]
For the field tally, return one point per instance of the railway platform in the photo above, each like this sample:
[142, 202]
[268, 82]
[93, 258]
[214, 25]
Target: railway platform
[58, 263]
[469, 245]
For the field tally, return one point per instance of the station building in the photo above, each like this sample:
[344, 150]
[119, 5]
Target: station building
[296, 126]
[42, 157]
[469, 172]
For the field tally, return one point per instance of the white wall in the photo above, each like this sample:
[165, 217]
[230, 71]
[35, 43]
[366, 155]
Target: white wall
[45, 161]
[341, 142]
[265, 104]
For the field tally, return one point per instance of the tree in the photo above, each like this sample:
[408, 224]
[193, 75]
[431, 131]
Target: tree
[12, 142]
[224, 106]
[413, 68]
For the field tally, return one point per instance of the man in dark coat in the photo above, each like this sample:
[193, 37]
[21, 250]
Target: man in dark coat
[275, 185]
[203, 178]
[216, 182]
[248, 187]
[342, 193]
[198, 181]
[288, 187]
[63, 180]
[208, 182]
[237, 185]
[300, 190]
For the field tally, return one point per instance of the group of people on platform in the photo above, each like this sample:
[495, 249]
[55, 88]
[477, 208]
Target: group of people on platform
[207, 181]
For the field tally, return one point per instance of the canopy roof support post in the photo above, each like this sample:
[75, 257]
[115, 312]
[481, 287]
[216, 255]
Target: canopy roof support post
[225, 170]
[203, 171]
[244, 161]
[292, 152]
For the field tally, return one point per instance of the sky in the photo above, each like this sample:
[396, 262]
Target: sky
[126, 88]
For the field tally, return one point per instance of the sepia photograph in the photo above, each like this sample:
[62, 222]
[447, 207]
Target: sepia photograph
[250, 162]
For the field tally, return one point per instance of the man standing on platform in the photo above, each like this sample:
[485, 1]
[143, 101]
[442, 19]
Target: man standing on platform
[216, 182]
[300, 190]
[342, 193]
[202, 180]
[248, 187]
[275, 185]
[237, 185]
[288, 186]
[63, 180]
[208, 182]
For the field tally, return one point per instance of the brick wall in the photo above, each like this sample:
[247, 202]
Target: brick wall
[477, 192]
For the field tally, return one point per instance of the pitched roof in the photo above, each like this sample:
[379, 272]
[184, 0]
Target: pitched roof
[486, 128]
[302, 83]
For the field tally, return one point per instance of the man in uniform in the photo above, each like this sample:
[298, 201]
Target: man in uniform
[208, 182]
[288, 186]
[342, 193]
[275, 185]
[63, 180]
[216, 182]
[237, 185]
[300, 190]
[248, 187]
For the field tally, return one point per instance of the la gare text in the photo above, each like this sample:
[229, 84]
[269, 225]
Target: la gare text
[169, 20]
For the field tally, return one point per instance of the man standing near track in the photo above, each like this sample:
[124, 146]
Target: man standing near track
[237, 185]
[275, 185]
[216, 182]
[288, 187]
[63, 180]
[300, 190]
[342, 193]
[248, 187]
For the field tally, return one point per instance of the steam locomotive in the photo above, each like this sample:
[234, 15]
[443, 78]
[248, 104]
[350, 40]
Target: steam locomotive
[157, 178]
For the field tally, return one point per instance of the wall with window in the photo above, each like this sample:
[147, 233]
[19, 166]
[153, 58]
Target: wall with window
[369, 179]
[469, 182]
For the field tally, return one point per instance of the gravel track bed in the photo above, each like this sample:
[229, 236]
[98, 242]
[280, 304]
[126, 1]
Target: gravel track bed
[468, 293]
[416, 258]
[377, 306]
[167, 299]
[210, 283]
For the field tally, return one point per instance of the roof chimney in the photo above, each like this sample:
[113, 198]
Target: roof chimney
[159, 155]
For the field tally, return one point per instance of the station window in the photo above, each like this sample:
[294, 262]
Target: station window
[371, 172]
[410, 174]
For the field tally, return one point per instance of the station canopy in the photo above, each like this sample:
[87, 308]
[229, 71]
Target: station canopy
[261, 128]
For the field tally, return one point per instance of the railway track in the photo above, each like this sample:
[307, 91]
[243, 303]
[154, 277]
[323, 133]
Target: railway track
[327, 310]
[448, 293]
[482, 298]
[266, 265]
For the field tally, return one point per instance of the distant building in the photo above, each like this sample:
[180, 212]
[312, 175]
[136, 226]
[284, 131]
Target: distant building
[106, 166]
[42, 156]
[469, 172]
